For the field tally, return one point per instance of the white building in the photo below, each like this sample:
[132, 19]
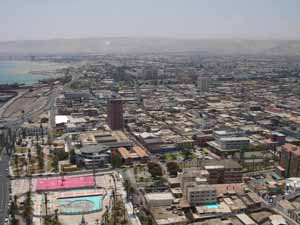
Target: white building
[201, 194]
[234, 142]
[159, 199]
[292, 185]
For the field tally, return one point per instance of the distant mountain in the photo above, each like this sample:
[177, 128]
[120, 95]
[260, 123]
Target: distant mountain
[149, 45]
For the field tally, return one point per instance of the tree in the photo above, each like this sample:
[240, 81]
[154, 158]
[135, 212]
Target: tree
[116, 161]
[187, 154]
[162, 181]
[61, 155]
[72, 156]
[173, 168]
[41, 161]
[259, 147]
[135, 170]
[50, 220]
[146, 219]
[129, 189]
[54, 163]
[29, 154]
[154, 169]
[38, 149]
[17, 163]
[13, 210]
[28, 208]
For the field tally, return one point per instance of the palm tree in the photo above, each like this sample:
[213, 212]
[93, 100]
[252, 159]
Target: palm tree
[17, 163]
[28, 208]
[29, 154]
[13, 210]
[41, 160]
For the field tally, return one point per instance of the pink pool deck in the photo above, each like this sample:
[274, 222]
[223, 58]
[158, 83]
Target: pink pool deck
[66, 183]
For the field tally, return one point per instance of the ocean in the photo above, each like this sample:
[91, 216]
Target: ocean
[18, 72]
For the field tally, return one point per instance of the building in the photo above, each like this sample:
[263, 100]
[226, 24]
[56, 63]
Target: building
[278, 137]
[91, 156]
[168, 216]
[159, 199]
[200, 194]
[223, 171]
[277, 220]
[190, 174]
[113, 139]
[203, 84]
[228, 143]
[125, 155]
[142, 154]
[292, 185]
[228, 133]
[244, 219]
[290, 160]
[115, 114]
[35, 129]
[195, 188]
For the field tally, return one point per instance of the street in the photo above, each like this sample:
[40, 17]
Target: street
[4, 192]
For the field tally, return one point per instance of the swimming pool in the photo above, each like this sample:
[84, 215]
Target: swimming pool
[212, 206]
[79, 205]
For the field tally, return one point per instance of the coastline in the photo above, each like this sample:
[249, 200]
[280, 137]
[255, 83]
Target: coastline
[28, 72]
[34, 67]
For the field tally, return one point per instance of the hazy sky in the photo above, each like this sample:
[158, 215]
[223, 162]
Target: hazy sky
[252, 19]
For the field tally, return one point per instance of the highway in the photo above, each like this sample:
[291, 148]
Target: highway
[4, 192]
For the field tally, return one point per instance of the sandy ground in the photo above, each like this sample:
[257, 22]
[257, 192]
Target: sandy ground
[28, 102]
[5, 105]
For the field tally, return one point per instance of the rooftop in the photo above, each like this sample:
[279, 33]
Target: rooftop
[163, 216]
[291, 148]
[226, 163]
[94, 148]
[159, 196]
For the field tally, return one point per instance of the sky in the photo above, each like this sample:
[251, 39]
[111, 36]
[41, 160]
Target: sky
[240, 19]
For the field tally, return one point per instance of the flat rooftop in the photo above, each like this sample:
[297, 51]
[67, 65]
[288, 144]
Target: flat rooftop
[163, 216]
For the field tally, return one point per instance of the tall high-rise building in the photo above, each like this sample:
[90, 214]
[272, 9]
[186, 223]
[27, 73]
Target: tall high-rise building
[290, 160]
[203, 84]
[115, 114]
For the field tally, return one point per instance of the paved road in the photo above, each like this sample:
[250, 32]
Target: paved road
[4, 193]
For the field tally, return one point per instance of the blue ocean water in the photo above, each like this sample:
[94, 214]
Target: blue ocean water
[7, 76]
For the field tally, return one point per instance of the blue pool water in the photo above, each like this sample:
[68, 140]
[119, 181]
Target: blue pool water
[80, 205]
[212, 206]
